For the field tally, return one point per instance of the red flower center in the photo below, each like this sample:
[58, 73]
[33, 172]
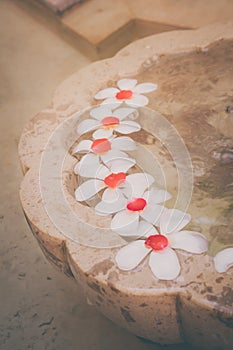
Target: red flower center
[124, 95]
[110, 121]
[136, 204]
[114, 180]
[156, 242]
[101, 146]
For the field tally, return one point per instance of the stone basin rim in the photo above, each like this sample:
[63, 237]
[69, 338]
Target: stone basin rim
[230, 25]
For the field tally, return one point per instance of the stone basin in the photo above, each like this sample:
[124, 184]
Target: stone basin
[186, 144]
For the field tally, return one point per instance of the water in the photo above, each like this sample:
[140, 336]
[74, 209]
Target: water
[195, 95]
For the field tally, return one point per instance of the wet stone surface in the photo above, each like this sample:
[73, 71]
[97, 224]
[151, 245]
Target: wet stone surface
[195, 94]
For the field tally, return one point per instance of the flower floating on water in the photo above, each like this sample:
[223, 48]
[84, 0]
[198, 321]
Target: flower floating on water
[107, 121]
[106, 177]
[163, 260]
[128, 91]
[146, 206]
[223, 260]
[137, 203]
[102, 149]
[109, 205]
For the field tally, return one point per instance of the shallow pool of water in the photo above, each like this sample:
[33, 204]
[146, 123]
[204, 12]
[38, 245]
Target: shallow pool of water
[195, 94]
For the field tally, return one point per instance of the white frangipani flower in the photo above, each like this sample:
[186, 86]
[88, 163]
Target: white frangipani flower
[102, 149]
[128, 91]
[139, 204]
[223, 260]
[163, 260]
[106, 121]
[110, 177]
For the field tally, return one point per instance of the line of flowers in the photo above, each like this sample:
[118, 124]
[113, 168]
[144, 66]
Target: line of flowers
[137, 207]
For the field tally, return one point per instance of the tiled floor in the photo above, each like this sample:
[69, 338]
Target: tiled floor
[40, 308]
[58, 6]
[105, 26]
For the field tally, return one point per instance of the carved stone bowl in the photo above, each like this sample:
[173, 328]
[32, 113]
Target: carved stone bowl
[194, 73]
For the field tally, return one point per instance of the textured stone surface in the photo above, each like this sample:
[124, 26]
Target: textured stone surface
[196, 307]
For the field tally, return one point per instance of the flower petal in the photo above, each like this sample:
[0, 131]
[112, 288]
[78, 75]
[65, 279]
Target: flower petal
[126, 84]
[112, 155]
[127, 127]
[84, 146]
[223, 260]
[104, 207]
[145, 87]
[128, 257]
[112, 102]
[102, 172]
[136, 184]
[124, 143]
[121, 165]
[100, 112]
[157, 196]
[87, 125]
[111, 195]
[106, 93]
[137, 101]
[145, 229]
[88, 189]
[122, 113]
[125, 223]
[102, 133]
[191, 241]
[152, 213]
[164, 264]
[88, 166]
[173, 220]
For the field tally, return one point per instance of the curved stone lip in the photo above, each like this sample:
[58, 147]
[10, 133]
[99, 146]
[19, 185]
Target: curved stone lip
[74, 94]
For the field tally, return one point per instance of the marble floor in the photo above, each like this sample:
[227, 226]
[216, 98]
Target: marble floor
[40, 308]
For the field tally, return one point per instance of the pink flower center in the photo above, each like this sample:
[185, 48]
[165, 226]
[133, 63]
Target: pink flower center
[114, 180]
[124, 94]
[101, 146]
[136, 204]
[109, 121]
[156, 242]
